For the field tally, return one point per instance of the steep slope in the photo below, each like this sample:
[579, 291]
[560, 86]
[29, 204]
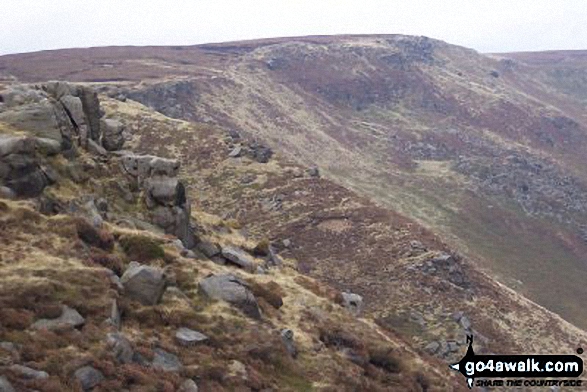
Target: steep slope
[408, 133]
[96, 296]
[486, 151]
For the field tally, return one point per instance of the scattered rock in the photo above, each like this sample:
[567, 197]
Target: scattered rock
[236, 152]
[432, 347]
[314, 172]
[286, 243]
[465, 323]
[232, 290]
[28, 373]
[239, 257]
[189, 337]
[417, 318]
[121, 348]
[418, 246]
[69, 318]
[447, 266]
[287, 337]
[208, 248]
[352, 302]
[274, 260]
[260, 270]
[143, 283]
[166, 361]
[188, 386]
[260, 153]
[88, 377]
[5, 385]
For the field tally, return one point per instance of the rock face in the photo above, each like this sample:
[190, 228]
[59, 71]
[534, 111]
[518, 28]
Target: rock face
[232, 290]
[164, 194]
[69, 318]
[143, 283]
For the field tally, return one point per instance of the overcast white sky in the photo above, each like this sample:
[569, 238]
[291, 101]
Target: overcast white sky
[488, 26]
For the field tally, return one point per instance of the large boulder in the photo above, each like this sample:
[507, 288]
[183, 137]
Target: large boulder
[112, 134]
[176, 221]
[233, 290]
[143, 283]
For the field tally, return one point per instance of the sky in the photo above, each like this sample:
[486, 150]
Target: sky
[487, 26]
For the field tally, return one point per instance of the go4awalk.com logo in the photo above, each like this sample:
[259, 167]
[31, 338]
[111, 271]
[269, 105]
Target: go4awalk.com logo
[520, 370]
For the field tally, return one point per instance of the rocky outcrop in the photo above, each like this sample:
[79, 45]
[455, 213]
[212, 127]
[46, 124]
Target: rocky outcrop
[232, 290]
[55, 118]
[164, 194]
